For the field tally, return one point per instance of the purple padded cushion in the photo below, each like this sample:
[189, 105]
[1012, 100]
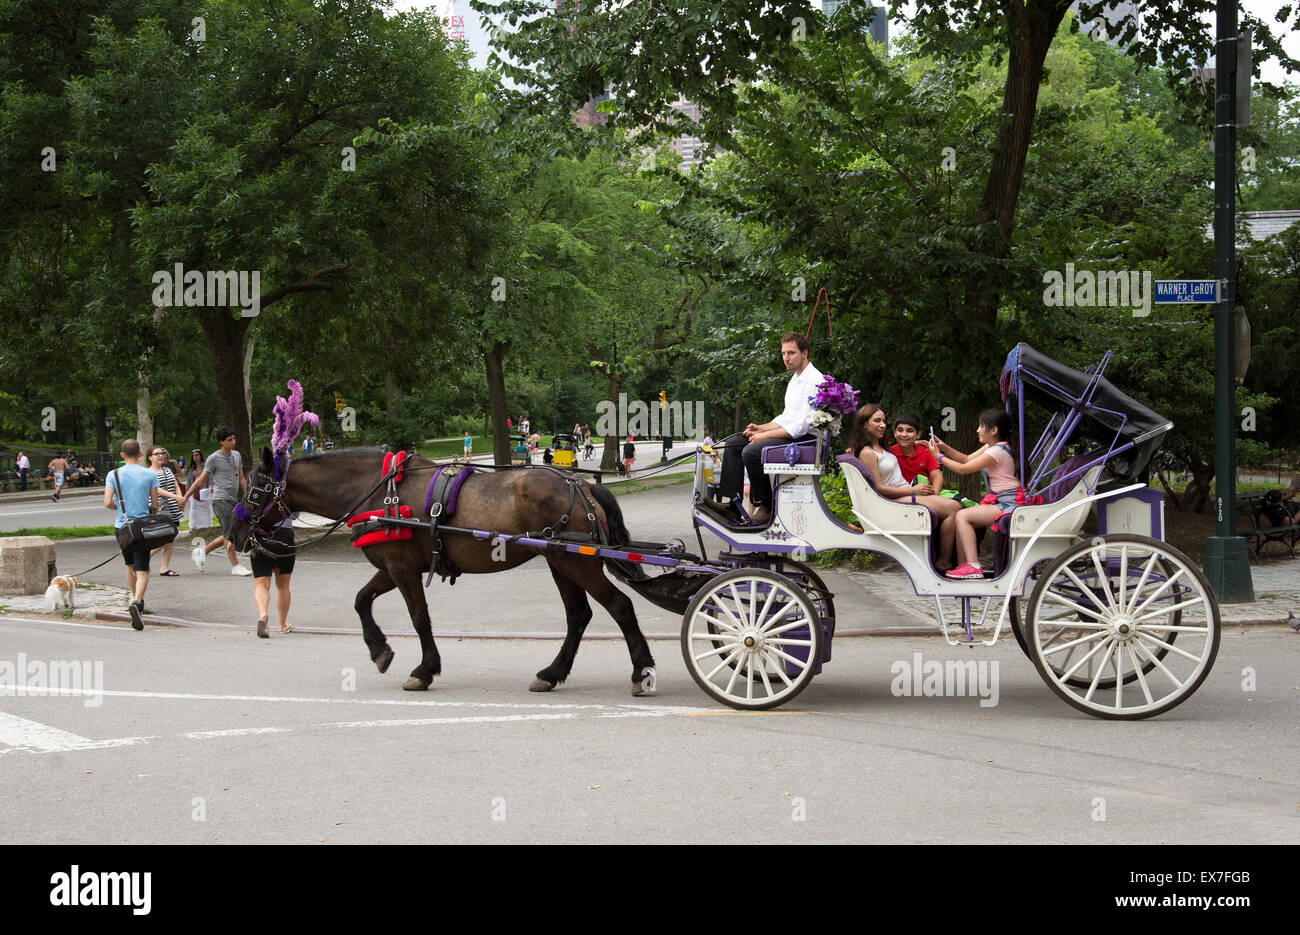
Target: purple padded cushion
[775, 454]
[1062, 483]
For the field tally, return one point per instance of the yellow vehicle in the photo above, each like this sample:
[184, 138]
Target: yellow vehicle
[563, 446]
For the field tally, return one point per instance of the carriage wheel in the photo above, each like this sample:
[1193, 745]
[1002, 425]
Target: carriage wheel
[1059, 613]
[1102, 635]
[751, 639]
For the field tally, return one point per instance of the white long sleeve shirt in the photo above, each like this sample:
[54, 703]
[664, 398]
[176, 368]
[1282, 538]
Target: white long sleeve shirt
[798, 410]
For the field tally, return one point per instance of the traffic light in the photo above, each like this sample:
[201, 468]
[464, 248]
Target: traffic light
[663, 399]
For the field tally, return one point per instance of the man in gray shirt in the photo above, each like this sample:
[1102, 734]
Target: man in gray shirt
[225, 467]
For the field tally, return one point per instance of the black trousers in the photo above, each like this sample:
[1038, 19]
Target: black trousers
[736, 461]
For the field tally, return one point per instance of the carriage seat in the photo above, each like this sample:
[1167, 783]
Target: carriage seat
[1024, 521]
[775, 454]
[907, 519]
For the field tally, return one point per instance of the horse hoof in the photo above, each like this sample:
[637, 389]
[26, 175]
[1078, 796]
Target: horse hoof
[415, 685]
[384, 660]
[541, 685]
[647, 685]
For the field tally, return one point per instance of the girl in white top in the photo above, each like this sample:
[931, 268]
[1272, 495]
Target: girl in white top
[866, 443]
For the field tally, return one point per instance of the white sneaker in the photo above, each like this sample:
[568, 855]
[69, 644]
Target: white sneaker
[200, 558]
[241, 571]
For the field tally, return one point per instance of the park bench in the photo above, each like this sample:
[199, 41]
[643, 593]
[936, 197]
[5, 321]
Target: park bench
[1261, 531]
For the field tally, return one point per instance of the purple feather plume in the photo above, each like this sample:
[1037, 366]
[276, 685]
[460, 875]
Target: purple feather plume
[290, 418]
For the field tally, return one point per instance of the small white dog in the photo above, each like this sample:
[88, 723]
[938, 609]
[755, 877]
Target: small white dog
[62, 589]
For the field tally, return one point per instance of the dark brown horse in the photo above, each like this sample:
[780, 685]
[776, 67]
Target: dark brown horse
[335, 484]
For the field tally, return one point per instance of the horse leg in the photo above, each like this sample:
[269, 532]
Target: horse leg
[430, 664]
[590, 576]
[577, 614]
[381, 654]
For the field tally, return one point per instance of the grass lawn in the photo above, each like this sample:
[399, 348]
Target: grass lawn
[62, 532]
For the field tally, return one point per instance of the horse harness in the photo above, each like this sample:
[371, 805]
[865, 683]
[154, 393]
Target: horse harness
[440, 501]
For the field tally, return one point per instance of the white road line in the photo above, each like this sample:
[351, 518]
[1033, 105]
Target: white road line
[421, 721]
[23, 734]
[30, 737]
[235, 732]
[649, 709]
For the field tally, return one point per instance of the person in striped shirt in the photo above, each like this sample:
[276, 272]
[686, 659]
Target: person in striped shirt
[169, 501]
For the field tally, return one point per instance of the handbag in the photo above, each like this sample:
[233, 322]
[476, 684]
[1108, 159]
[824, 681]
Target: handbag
[154, 529]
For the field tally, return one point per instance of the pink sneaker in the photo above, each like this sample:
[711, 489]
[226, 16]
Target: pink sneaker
[966, 571]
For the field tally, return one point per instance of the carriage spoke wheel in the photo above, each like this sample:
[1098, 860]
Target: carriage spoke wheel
[1103, 670]
[751, 639]
[1122, 627]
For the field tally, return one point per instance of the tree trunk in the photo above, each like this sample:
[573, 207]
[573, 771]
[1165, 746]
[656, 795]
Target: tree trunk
[965, 439]
[1033, 29]
[101, 430]
[1196, 499]
[737, 420]
[225, 336]
[248, 387]
[494, 364]
[144, 421]
[613, 444]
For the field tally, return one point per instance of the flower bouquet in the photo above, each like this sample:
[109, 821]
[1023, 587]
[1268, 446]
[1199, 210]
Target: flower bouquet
[831, 402]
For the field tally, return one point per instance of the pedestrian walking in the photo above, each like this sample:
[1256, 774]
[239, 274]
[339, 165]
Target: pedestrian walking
[132, 490]
[629, 455]
[226, 469]
[170, 501]
[58, 469]
[274, 555]
[198, 500]
[22, 465]
[469, 444]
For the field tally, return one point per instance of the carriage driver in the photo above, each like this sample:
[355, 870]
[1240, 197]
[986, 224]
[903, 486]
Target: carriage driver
[791, 424]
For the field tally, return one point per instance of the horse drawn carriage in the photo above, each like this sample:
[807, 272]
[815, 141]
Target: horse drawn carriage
[1117, 622]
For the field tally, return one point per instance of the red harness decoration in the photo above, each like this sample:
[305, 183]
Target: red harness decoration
[394, 461]
[388, 534]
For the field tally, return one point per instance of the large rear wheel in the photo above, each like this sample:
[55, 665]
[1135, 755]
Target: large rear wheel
[1102, 622]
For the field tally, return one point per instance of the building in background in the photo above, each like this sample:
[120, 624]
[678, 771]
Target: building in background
[463, 24]
[879, 29]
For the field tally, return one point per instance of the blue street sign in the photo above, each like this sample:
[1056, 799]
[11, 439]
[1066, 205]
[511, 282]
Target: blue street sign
[1185, 291]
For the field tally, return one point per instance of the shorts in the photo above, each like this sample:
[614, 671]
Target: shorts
[58, 478]
[1007, 499]
[137, 557]
[225, 510]
[281, 544]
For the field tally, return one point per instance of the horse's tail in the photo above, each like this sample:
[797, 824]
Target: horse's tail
[618, 534]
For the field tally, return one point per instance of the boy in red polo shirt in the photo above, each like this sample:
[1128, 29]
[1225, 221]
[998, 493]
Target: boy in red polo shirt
[914, 460]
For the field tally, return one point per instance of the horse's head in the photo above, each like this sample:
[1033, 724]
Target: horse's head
[262, 506]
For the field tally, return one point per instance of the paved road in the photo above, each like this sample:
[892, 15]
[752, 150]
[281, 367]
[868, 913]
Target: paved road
[211, 735]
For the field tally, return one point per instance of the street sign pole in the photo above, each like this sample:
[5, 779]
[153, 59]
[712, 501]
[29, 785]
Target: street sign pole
[1227, 563]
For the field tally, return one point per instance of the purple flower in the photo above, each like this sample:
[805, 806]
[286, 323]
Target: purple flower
[833, 396]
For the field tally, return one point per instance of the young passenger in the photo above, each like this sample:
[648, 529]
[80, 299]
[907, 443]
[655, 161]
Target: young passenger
[866, 443]
[995, 460]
